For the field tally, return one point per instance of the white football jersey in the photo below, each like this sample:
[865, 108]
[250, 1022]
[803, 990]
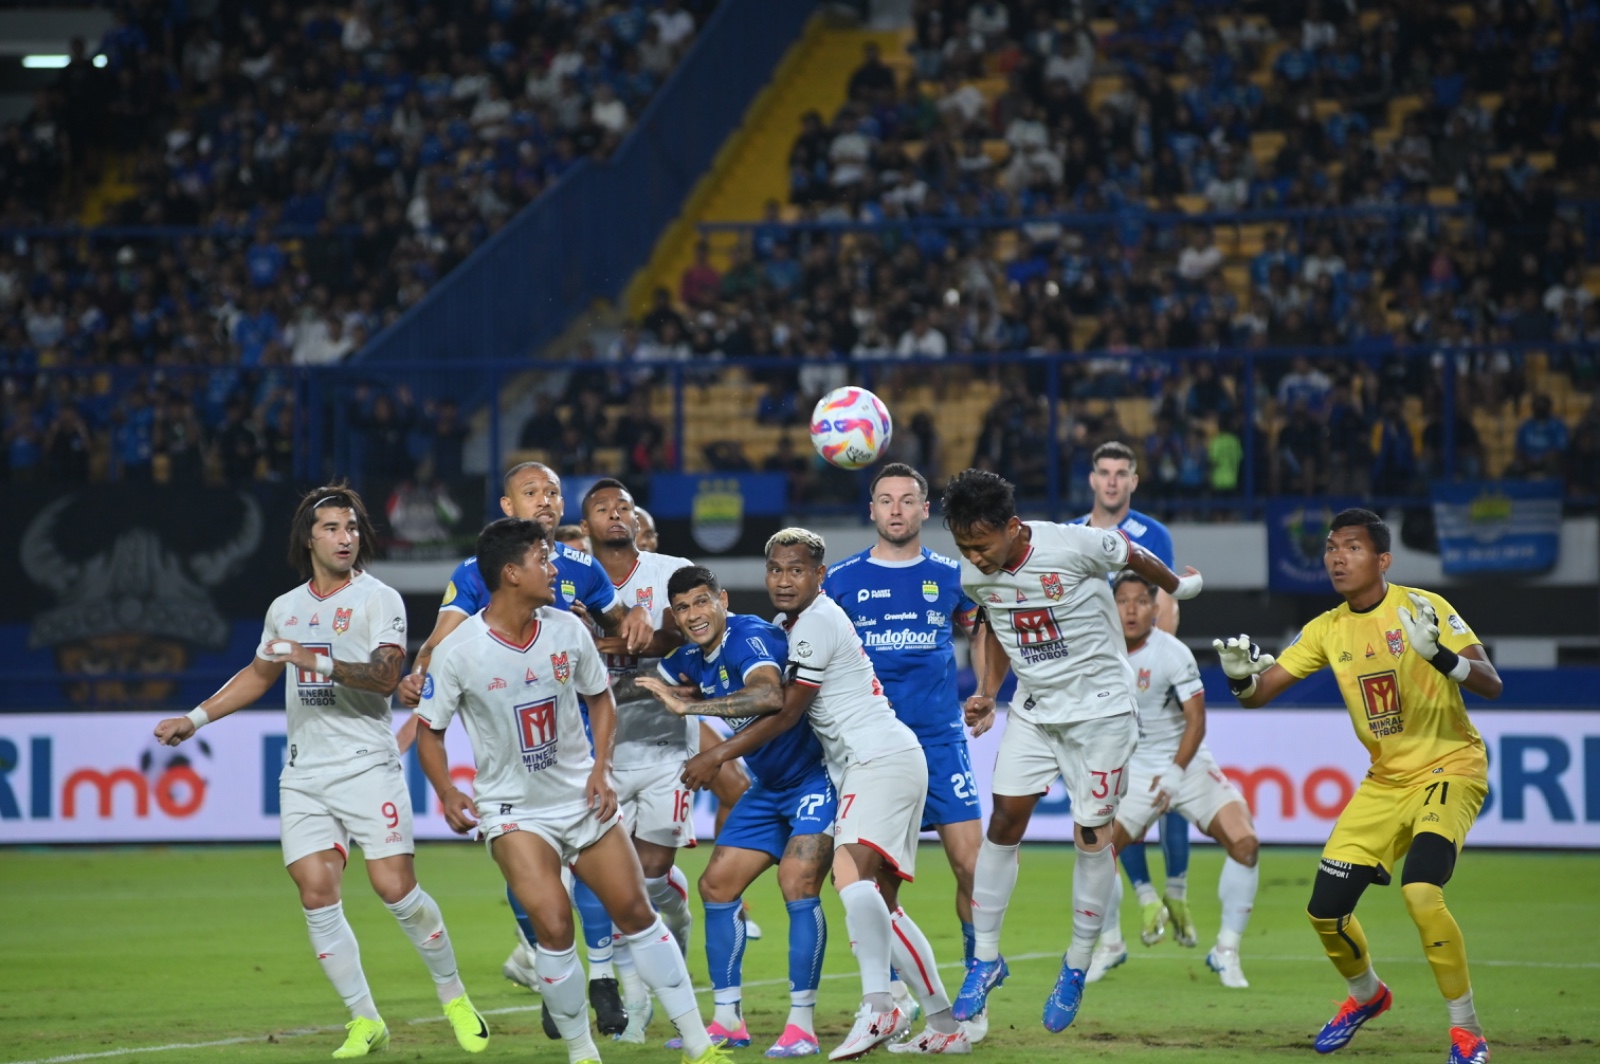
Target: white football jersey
[1057, 621]
[520, 707]
[1165, 676]
[332, 726]
[850, 714]
[647, 734]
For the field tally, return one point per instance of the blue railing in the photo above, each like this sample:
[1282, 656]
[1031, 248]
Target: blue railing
[584, 238]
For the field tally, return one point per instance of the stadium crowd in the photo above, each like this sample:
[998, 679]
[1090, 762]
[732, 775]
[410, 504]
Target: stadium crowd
[329, 163]
[400, 142]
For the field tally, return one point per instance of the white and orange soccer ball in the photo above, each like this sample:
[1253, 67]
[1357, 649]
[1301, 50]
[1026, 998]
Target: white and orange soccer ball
[850, 427]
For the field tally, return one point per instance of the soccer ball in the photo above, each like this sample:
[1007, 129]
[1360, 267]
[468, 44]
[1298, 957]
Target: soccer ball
[850, 427]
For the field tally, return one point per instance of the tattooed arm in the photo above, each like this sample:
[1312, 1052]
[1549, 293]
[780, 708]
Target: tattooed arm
[761, 696]
[380, 675]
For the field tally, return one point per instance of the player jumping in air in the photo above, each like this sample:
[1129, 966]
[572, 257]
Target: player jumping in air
[1113, 478]
[1172, 769]
[1048, 613]
[785, 818]
[1401, 656]
[344, 635]
[906, 603]
[533, 493]
[514, 673]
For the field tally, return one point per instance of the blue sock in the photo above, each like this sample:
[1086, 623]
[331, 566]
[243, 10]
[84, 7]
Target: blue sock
[1175, 845]
[968, 942]
[596, 921]
[521, 915]
[724, 933]
[808, 941]
[1134, 864]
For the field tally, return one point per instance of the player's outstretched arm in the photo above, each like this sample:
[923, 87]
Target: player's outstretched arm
[1255, 677]
[662, 642]
[380, 674]
[793, 701]
[633, 626]
[1155, 570]
[459, 811]
[410, 689]
[762, 695]
[242, 689]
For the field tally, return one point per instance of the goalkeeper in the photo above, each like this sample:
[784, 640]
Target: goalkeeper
[1401, 656]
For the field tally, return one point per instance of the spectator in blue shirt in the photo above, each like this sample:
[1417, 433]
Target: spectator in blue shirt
[1542, 441]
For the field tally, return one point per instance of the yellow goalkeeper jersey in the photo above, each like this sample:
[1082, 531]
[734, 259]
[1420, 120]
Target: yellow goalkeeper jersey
[1409, 716]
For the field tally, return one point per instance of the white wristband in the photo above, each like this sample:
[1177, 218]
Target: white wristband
[198, 717]
[1462, 670]
[1188, 586]
[323, 666]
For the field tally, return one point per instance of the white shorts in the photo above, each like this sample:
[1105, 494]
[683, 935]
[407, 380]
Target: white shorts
[880, 807]
[372, 807]
[568, 834]
[1090, 756]
[656, 806]
[1205, 791]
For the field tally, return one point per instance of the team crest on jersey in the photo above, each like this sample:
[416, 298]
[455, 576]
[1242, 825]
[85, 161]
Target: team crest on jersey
[722, 674]
[1051, 582]
[562, 668]
[530, 678]
[1144, 679]
[1397, 644]
[569, 590]
[930, 590]
[647, 597]
[341, 621]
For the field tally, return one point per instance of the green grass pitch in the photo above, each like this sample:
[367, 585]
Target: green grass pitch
[103, 951]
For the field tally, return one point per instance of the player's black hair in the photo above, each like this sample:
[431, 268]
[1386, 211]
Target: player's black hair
[1128, 576]
[690, 577]
[339, 494]
[898, 469]
[601, 485]
[1377, 529]
[978, 497]
[505, 542]
[1115, 449]
[522, 467]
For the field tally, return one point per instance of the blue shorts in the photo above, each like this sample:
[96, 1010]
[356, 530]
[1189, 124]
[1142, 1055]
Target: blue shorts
[765, 819]
[952, 792]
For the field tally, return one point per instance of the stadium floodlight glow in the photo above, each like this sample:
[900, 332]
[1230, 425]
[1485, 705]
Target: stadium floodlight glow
[45, 62]
[100, 62]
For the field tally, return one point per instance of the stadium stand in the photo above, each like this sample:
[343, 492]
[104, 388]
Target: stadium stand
[1325, 206]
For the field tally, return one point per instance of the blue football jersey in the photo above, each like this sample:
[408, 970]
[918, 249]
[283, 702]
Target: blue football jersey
[905, 614]
[749, 643]
[579, 578]
[1146, 532]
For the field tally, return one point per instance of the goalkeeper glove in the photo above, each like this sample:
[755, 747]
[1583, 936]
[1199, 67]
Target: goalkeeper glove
[1242, 660]
[1422, 632]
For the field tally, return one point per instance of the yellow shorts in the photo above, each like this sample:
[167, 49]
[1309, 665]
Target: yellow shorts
[1377, 827]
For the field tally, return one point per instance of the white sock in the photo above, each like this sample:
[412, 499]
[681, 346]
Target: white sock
[993, 882]
[1177, 887]
[600, 958]
[866, 919]
[340, 957]
[802, 1010]
[1462, 1014]
[897, 986]
[670, 896]
[561, 987]
[913, 956]
[727, 1002]
[655, 954]
[420, 919]
[1111, 930]
[1236, 889]
[635, 995]
[1146, 893]
[1364, 987]
[1093, 876]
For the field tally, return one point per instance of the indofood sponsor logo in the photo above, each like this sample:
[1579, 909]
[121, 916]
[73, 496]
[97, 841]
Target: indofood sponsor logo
[901, 639]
